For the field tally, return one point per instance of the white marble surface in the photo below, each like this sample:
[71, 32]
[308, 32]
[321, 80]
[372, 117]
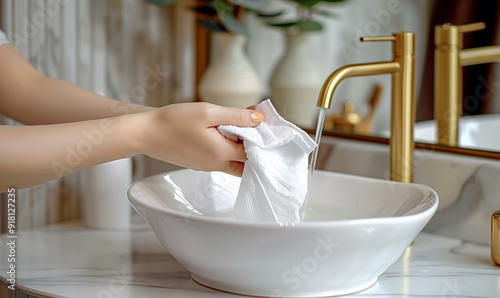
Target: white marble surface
[70, 260]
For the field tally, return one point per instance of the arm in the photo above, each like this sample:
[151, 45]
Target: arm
[183, 134]
[80, 129]
[31, 98]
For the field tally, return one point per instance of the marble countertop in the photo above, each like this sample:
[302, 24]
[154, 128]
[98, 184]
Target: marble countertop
[70, 260]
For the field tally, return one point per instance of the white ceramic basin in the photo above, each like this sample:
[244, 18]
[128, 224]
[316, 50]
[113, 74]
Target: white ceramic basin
[477, 132]
[356, 228]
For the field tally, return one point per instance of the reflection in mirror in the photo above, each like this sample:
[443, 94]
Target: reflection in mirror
[472, 94]
[475, 132]
[480, 101]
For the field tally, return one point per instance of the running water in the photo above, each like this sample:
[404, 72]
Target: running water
[317, 139]
[314, 157]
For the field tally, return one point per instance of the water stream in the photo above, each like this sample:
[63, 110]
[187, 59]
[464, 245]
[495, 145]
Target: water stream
[317, 139]
[314, 158]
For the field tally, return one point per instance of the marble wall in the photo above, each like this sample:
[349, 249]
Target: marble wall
[109, 47]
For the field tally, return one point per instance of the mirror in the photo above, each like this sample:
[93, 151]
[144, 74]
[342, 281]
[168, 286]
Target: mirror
[479, 125]
[338, 45]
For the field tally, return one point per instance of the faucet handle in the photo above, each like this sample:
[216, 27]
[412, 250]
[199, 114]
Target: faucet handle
[393, 37]
[470, 27]
[449, 35]
[404, 42]
[378, 38]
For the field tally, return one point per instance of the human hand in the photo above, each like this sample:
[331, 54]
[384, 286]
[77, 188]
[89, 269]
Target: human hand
[186, 135]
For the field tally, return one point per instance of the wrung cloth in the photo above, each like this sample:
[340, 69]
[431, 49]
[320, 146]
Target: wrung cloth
[274, 182]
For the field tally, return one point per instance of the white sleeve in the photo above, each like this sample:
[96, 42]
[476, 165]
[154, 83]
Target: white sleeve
[3, 38]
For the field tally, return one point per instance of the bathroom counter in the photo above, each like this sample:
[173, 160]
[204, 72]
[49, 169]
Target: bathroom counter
[70, 260]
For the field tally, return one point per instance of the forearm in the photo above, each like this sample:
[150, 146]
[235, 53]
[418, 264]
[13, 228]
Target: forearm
[31, 98]
[31, 155]
[182, 134]
[50, 101]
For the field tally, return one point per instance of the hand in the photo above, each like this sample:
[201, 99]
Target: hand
[186, 135]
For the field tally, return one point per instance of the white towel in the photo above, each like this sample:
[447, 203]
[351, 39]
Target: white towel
[275, 177]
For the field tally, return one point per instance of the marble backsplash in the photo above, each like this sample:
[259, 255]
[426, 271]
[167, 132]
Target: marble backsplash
[468, 187]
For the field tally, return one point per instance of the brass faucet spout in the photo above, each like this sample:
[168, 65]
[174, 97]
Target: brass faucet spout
[402, 70]
[326, 94]
[481, 55]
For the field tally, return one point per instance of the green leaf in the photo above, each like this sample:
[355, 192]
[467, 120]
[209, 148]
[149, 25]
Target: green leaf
[270, 14]
[205, 9]
[309, 26]
[211, 26]
[222, 6]
[284, 25]
[233, 25]
[250, 4]
[160, 2]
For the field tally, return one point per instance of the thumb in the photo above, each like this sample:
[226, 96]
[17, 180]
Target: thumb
[239, 117]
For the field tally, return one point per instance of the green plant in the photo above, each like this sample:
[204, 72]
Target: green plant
[301, 18]
[226, 15]
[161, 2]
[222, 15]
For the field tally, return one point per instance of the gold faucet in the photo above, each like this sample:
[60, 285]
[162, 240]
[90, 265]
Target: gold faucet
[450, 57]
[402, 68]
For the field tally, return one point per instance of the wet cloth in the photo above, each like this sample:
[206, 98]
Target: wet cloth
[275, 176]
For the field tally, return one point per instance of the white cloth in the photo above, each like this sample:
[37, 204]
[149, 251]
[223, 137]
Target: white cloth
[275, 177]
[3, 38]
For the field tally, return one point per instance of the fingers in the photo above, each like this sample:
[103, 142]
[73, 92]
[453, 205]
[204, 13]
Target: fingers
[236, 117]
[235, 168]
[233, 151]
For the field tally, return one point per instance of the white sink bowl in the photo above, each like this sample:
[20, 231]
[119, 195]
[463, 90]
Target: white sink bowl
[476, 132]
[355, 229]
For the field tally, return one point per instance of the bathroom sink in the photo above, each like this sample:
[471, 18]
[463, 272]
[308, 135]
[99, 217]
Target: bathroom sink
[353, 229]
[476, 132]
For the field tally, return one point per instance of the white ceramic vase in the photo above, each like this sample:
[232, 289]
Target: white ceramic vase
[296, 83]
[104, 195]
[230, 79]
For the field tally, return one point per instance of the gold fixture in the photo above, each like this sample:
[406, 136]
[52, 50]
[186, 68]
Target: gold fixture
[366, 126]
[495, 237]
[402, 68]
[450, 57]
[349, 121]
